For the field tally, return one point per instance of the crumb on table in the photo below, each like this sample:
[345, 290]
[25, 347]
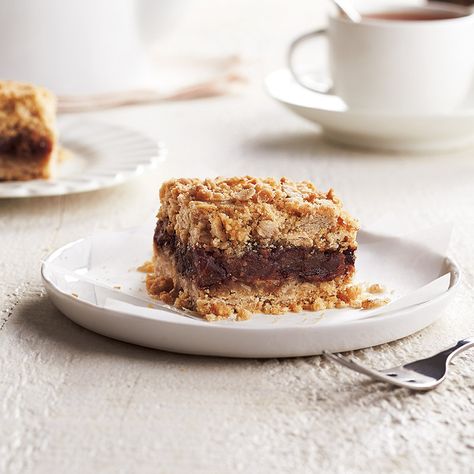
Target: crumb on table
[146, 267]
[376, 288]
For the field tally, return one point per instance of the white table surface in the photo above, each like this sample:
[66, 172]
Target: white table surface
[73, 401]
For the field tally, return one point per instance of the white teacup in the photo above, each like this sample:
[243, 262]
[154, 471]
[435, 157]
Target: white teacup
[400, 60]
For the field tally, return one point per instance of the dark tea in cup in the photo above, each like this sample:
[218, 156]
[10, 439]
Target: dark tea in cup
[414, 15]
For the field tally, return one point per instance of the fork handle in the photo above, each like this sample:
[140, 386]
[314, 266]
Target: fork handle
[459, 347]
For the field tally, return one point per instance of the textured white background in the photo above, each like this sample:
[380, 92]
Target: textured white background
[72, 401]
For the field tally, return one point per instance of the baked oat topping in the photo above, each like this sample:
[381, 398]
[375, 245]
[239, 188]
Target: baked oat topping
[234, 213]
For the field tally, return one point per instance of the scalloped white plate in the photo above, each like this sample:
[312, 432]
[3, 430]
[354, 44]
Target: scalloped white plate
[100, 155]
[94, 282]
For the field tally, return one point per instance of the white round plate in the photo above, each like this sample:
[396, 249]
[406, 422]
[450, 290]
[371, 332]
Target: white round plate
[99, 155]
[94, 282]
[415, 133]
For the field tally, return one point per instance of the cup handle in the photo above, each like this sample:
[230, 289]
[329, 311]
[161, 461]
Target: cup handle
[322, 88]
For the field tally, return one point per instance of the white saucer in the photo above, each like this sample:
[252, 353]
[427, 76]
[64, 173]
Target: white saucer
[94, 282]
[99, 155]
[416, 133]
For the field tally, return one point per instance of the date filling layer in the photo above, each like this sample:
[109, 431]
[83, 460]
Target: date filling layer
[31, 145]
[210, 267]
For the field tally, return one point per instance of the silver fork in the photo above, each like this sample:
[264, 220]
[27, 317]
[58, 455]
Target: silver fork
[423, 374]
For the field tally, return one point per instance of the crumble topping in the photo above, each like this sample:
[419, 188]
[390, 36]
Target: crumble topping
[230, 213]
[26, 107]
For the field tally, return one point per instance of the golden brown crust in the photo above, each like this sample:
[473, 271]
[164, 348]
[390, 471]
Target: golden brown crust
[27, 131]
[25, 106]
[231, 213]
